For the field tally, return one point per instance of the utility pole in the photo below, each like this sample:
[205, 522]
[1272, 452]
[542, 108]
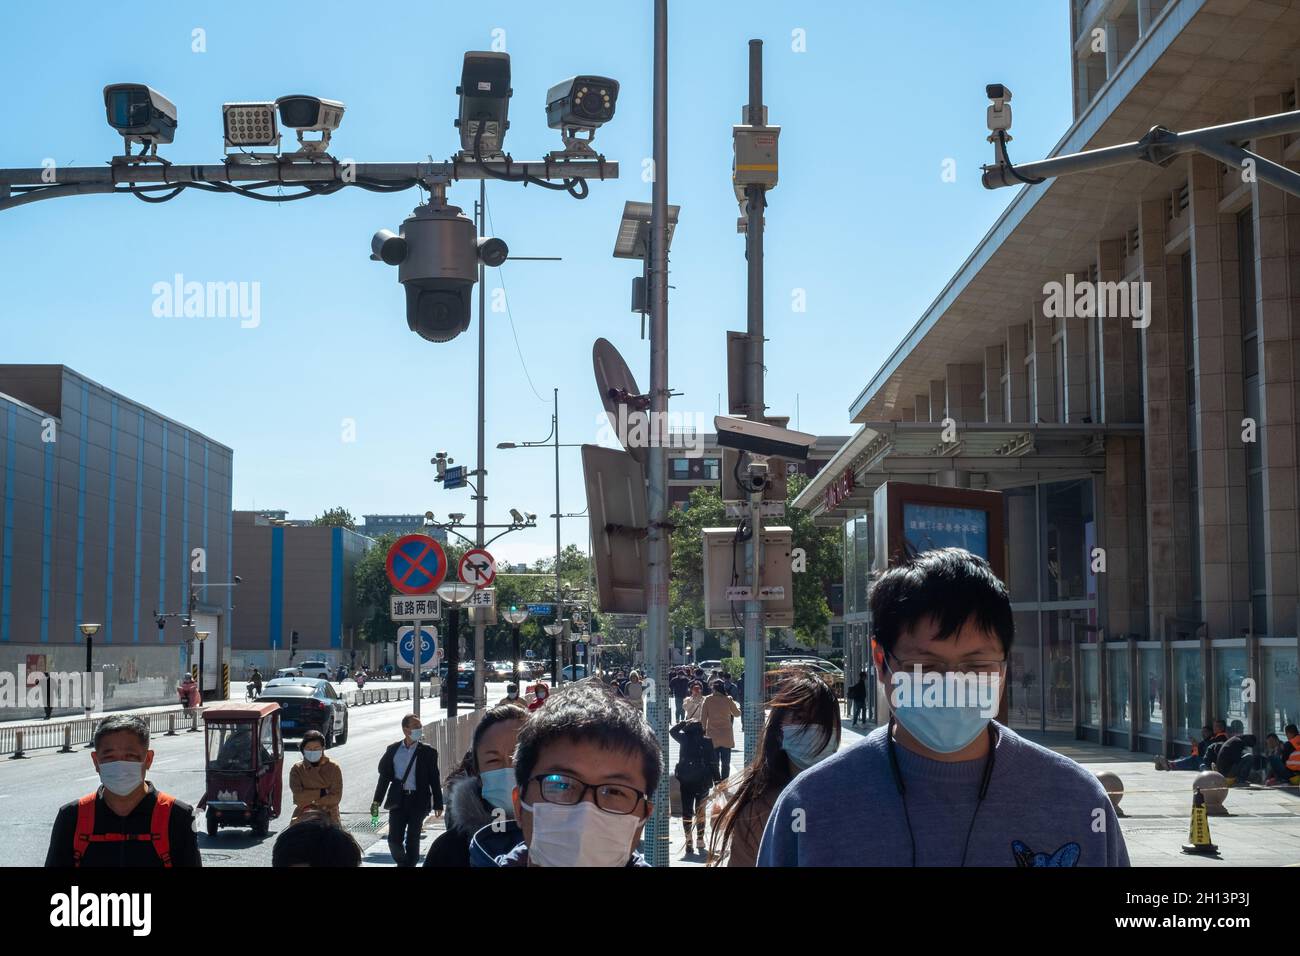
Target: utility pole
[480, 495]
[559, 595]
[656, 636]
[755, 408]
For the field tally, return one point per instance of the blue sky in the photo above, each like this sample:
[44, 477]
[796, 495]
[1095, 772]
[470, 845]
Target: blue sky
[862, 221]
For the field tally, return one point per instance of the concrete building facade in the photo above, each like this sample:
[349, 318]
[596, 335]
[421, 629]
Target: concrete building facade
[1146, 444]
[110, 513]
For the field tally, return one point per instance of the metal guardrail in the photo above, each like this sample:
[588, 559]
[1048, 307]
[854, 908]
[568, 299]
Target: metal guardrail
[67, 734]
[77, 732]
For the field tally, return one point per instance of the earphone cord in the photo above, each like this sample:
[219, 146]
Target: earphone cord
[984, 788]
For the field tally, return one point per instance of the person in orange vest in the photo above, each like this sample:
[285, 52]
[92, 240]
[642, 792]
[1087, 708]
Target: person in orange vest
[1285, 764]
[127, 822]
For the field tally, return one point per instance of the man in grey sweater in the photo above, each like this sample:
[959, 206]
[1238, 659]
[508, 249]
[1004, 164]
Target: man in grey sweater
[943, 784]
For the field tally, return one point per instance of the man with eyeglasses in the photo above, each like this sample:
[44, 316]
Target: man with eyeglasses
[585, 767]
[943, 784]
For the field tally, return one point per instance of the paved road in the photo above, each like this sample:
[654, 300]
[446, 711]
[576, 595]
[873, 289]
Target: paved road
[32, 790]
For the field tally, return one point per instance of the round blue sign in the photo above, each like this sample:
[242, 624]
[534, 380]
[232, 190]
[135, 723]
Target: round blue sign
[406, 645]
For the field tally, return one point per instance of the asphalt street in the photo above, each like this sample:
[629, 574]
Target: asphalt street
[33, 789]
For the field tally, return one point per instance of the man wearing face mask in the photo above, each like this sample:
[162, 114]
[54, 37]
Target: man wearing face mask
[512, 697]
[408, 775]
[127, 822]
[942, 784]
[585, 767]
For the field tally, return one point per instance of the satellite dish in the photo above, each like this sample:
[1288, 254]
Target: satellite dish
[614, 379]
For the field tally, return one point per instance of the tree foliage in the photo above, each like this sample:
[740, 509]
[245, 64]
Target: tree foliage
[338, 517]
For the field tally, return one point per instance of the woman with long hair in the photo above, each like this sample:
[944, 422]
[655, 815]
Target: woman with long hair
[802, 728]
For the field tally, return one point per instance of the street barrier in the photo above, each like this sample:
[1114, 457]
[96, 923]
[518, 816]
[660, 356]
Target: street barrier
[66, 735]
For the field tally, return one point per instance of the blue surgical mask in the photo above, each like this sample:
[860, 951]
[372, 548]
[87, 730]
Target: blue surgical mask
[944, 728]
[312, 756]
[416, 733]
[498, 788]
[121, 777]
[801, 744]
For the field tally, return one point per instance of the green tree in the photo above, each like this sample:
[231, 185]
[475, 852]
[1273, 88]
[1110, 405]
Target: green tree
[821, 560]
[338, 517]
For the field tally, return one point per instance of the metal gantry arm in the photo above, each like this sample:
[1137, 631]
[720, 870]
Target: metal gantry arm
[1160, 147]
[21, 186]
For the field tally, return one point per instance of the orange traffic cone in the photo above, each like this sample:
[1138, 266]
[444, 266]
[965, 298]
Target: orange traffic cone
[1200, 832]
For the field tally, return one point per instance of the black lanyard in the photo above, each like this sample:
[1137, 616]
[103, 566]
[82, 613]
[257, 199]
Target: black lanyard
[902, 791]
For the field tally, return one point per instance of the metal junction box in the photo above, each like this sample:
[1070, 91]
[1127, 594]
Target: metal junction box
[724, 568]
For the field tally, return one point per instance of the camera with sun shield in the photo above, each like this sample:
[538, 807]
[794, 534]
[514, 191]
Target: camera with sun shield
[437, 254]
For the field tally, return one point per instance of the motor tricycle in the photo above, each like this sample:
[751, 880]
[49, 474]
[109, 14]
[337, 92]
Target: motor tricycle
[244, 757]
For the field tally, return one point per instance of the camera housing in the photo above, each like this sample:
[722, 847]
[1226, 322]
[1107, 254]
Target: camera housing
[581, 103]
[437, 255]
[140, 113]
[759, 438]
[999, 111]
[307, 114]
[484, 93]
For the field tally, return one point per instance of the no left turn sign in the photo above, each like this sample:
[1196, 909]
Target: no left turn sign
[477, 567]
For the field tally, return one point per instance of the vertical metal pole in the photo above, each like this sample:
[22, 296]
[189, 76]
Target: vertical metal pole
[451, 641]
[479, 623]
[416, 643]
[559, 597]
[656, 635]
[514, 651]
[755, 637]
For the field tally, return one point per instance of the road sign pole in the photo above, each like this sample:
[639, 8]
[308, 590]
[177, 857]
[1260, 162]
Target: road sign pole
[755, 642]
[656, 636]
[481, 496]
[417, 646]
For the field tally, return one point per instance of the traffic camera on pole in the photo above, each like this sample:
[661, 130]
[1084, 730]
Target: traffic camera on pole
[484, 93]
[141, 115]
[437, 253]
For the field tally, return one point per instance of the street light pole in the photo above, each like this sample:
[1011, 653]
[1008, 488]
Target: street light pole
[480, 495]
[656, 637]
[559, 597]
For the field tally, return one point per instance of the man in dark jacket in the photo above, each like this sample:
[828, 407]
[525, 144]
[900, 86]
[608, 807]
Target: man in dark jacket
[127, 822]
[694, 772]
[409, 783]
[858, 698]
[680, 685]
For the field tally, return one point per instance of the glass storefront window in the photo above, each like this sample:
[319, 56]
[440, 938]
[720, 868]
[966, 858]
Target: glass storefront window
[1020, 507]
[1024, 675]
[1060, 631]
[1118, 716]
[1186, 693]
[1091, 716]
[1229, 672]
[1067, 538]
[1280, 696]
[1150, 691]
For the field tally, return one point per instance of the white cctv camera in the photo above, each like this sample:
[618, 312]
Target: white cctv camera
[999, 112]
[760, 438]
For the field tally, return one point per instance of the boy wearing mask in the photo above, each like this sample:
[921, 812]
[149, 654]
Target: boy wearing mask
[127, 822]
[942, 784]
[586, 766]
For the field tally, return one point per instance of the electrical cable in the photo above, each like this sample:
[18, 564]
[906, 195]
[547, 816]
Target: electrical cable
[1006, 162]
[509, 315]
[577, 188]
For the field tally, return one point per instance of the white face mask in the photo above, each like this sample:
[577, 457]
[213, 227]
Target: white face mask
[580, 835]
[121, 777]
[312, 756]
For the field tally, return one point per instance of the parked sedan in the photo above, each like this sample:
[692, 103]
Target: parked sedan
[309, 704]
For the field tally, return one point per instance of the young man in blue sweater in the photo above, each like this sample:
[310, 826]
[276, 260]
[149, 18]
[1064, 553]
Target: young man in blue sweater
[942, 784]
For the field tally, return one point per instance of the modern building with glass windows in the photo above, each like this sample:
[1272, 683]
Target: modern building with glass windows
[110, 514]
[1148, 455]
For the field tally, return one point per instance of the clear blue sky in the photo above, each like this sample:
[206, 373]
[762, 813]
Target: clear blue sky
[861, 220]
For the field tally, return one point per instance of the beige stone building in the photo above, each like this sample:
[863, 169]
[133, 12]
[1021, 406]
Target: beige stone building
[1157, 430]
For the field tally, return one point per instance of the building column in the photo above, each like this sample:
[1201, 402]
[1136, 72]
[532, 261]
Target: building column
[1118, 362]
[1043, 382]
[962, 393]
[938, 400]
[1220, 461]
[1017, 373]
[994, 410]
[922, 408]
[1277, 299]
[1077, 406]
[1165, 393]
